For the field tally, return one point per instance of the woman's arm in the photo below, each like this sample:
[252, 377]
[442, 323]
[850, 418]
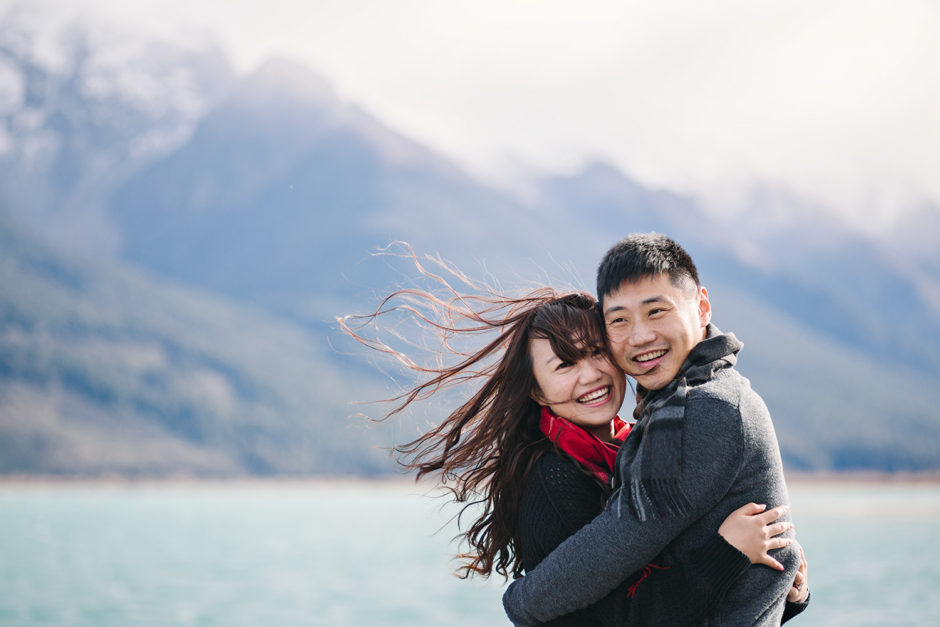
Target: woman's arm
[798, 597]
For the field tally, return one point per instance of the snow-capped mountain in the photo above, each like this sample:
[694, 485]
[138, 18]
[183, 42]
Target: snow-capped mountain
[267, 194]
[81, 107]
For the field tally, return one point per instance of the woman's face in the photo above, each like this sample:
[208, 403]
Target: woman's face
[588, 392]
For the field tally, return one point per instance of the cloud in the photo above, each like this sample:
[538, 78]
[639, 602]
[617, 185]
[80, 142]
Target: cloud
[834, 102]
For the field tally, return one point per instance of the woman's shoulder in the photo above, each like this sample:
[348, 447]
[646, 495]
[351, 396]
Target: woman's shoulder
[552, 463]
[556, 476]
[559, 498]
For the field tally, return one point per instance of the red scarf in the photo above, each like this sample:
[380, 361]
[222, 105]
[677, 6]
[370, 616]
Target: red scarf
[588, 449]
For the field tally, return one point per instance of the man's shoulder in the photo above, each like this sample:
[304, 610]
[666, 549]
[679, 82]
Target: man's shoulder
[726, 385]
[728, 394]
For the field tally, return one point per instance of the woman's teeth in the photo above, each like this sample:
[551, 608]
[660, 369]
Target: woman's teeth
[595, 396]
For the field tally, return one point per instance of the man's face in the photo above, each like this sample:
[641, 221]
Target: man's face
[652, 325]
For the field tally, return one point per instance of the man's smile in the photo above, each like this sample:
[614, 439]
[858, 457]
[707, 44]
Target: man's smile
[648, 357]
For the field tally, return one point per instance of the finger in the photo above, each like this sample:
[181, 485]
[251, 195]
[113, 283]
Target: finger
[799, 580]
[797, 595]
[803, 567]
[804, 592]
[751, 509]
[778, 543]
[773, 514]
[767, 560]
[777, 528]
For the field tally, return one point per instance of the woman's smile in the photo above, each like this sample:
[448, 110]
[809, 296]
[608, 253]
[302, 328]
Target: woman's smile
[596, 397]
[588, 392]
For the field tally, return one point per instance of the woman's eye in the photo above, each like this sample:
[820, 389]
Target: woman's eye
[562, 365]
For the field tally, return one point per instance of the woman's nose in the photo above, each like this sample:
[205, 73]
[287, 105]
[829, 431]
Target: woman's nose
[588, 370]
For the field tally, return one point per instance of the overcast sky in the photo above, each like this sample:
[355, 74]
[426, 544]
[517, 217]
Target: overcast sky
[836, 102]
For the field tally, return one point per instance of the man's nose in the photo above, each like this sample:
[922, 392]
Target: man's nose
[641, 334]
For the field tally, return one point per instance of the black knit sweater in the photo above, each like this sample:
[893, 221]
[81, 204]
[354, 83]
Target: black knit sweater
[560, 498]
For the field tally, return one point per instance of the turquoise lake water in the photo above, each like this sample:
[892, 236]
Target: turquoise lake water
[379, 554]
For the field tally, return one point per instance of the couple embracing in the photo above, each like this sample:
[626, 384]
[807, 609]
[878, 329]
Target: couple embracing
[678, 517]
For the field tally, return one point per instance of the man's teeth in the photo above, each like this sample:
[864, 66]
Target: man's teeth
[650, 356]
[593, 397]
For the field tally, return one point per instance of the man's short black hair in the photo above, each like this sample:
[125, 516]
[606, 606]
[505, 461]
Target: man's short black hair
[643, 255]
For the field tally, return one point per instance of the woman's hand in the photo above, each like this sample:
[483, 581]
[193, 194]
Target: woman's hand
[753, 531]
[800, 589]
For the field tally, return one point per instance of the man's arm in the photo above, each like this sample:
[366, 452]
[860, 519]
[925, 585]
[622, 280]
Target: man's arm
[586, 566]
[597, 558]
[559, 499]
[688, 590]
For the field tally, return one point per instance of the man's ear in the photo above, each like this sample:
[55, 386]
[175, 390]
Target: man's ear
[704, 307]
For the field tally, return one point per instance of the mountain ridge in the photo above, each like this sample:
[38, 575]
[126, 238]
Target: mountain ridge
[207, 336]
[106, 370]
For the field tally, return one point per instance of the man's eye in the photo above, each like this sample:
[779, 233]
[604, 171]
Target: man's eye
[617, 322]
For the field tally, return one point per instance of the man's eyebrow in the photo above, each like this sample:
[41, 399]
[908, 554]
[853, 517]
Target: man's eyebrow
[649, 301]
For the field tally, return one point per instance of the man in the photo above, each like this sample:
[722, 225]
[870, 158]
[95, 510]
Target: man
[703, 446]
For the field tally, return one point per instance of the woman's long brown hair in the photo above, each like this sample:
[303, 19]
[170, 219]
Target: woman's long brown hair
[484, 450]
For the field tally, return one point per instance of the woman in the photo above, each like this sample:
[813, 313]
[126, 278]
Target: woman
[534, 447]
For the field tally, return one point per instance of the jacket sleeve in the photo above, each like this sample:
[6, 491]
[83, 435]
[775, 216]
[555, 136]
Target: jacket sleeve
[684, 593]
[559, 500]
[596, 559]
